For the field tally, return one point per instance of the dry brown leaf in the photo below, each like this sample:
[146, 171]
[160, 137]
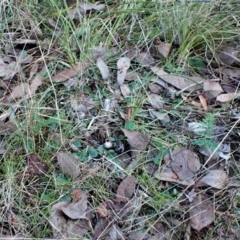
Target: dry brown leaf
[57, 221]
[229, 56]
[72, 72]
[203, 101]
[164, 49]
[187, 158]
[77, 209]
[231, 72]
[155, 88]
[19, 91]
[125, 90]
[103, 68]
[36, 165]
[126, 189]
[123, 65]
[130, 76]
[68, 164]
[166, 174]
[136, 140]
[26, 89]
[155, 100]
[227, 97]
[201, 214]
[64, 228]
[36, 82]
[187, 83]
[145, 59]
[214, 178]
[214, 88]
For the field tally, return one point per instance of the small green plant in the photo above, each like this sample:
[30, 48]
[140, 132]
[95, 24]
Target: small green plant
[206, 139]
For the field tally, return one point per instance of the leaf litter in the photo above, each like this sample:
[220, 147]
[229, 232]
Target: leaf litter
[122, 212]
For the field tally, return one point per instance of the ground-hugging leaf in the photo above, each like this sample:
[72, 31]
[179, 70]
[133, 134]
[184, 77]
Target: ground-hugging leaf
[229, 55]
[184, 163]
[103, 68]
[125, 90]
[155, 100]
[227, 97]
[123, 65]
[136, 140]
[201, 212]
[25, 89]
[19, 91]
[68, 219]
[126, 189]
[213, 88]
[214, 178]
[64, 75]
[188, 83]
[77, 209]
[164, 49]
[68, 164]
[145, 59]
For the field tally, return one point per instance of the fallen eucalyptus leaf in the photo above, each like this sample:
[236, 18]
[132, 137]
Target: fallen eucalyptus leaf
[103, 68]
[188, 83]
[79, 68]
[123, 65]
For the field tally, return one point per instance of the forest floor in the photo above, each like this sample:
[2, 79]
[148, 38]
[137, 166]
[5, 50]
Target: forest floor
[120, 120]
